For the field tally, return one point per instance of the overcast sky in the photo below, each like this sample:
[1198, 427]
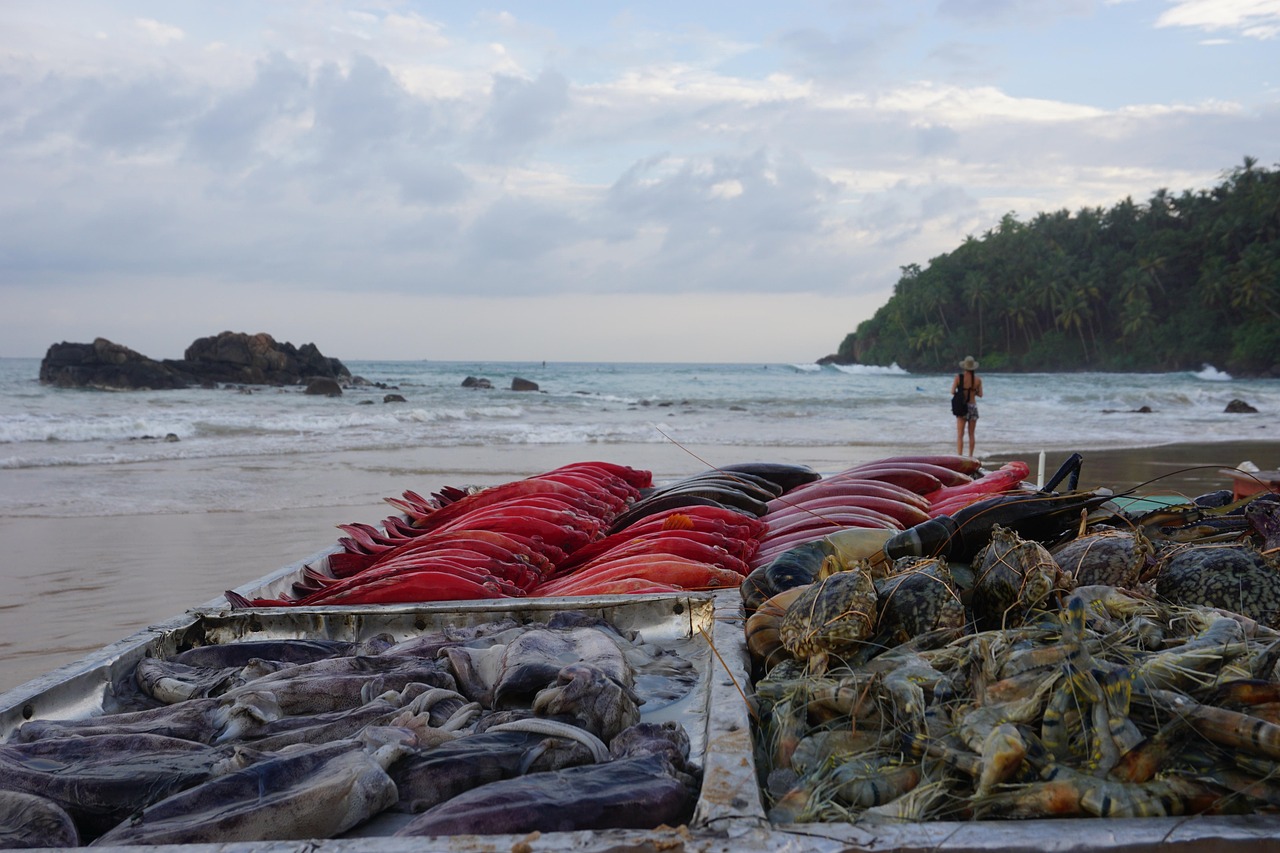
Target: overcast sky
[733, 180]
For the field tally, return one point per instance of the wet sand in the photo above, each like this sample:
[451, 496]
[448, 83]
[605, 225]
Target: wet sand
[74, 585]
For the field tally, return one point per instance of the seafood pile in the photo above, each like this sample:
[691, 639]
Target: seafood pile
[496, 727]
[1028, 655]
[588, 528]
[597, 528]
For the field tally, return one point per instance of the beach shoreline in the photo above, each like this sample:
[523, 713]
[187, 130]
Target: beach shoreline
[79, 583]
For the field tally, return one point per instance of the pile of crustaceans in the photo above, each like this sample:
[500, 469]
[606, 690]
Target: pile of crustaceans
[1032, 654]
[489, 728]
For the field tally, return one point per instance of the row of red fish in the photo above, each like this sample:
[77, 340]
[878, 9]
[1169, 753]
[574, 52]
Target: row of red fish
[553, 534]
[894, 493]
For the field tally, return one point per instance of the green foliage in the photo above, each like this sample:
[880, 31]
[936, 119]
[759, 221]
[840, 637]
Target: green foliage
[1256, 346]
[1168, 285]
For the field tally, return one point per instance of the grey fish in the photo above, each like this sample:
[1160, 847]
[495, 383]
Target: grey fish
[591, 699]
[28, 821]
[170, 682]
[784, 475]
[291, 651]
[302, 792]
[342, 683]
[197, 720]
[640, 789]
[430, 644]
[436, 706]
[101, 780]
[533, 661]
[429, 777]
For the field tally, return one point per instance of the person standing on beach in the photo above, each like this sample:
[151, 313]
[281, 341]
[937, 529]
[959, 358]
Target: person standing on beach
[971, 382]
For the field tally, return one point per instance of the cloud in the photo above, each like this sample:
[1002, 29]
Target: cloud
[1009, 12]
[159, 33]
[375, 150]
[1258, 19]
[521, 113]
[237, 127]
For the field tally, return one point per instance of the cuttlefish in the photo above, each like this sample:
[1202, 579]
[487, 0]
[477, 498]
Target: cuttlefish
[302, 791]
[648, 783]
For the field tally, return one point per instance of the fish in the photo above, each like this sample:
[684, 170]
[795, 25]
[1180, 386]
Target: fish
[591, 699]
[534, 660]
[169, 682]
[786, 476]
[100, 780]
[342, 683]
[27, 820]
[303, 792]
[426, 778]
[195, 720]
[292, 651]
[645, 785]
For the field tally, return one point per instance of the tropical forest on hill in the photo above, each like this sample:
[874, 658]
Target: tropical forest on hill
[1172, 284]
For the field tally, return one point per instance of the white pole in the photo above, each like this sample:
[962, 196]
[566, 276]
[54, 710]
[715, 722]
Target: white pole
[1040, 474]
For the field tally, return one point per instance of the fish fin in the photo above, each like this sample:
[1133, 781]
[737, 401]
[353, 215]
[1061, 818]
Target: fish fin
[678, 521]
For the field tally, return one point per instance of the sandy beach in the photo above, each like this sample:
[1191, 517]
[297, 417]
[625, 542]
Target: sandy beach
[74, 585]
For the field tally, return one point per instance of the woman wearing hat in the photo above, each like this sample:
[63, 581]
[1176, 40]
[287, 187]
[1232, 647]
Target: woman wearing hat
[971, 382]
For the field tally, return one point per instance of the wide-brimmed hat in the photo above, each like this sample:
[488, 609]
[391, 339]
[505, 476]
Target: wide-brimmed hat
[969, 363]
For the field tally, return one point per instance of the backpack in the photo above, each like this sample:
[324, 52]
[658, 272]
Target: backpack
[959, 405]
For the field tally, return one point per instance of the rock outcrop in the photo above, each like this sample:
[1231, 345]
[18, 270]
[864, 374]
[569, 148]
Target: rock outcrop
[519, 384]
[258, 360]
[231, 357]
[106, 366]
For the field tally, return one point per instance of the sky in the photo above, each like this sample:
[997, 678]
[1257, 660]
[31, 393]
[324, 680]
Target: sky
[723, 181]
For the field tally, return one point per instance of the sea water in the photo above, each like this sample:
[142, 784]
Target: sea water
[65, 439]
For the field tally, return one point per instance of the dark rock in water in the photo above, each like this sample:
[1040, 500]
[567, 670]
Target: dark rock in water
[106, 366]
[518, 384]
[1238, 407]
[393, 398]
[230, 357]
[324, 388]
[473, 382]
[259, 360]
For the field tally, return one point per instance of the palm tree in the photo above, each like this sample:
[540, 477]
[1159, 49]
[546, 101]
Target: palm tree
[1254, 282]
[977, 294]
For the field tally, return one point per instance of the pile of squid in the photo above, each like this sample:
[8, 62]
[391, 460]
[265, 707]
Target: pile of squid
[1030, 655]
[597, 528]
[492, 728]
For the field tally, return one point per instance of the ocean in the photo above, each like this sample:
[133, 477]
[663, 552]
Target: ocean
[107, 526]
[67, 453]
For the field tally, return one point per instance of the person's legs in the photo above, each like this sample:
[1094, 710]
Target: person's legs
[973, 425]
[960, 436]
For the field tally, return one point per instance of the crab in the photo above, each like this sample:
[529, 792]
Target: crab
[1013, 578]
[918, 596]
[1110, 557]
[831, 616]
[1233, 577]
